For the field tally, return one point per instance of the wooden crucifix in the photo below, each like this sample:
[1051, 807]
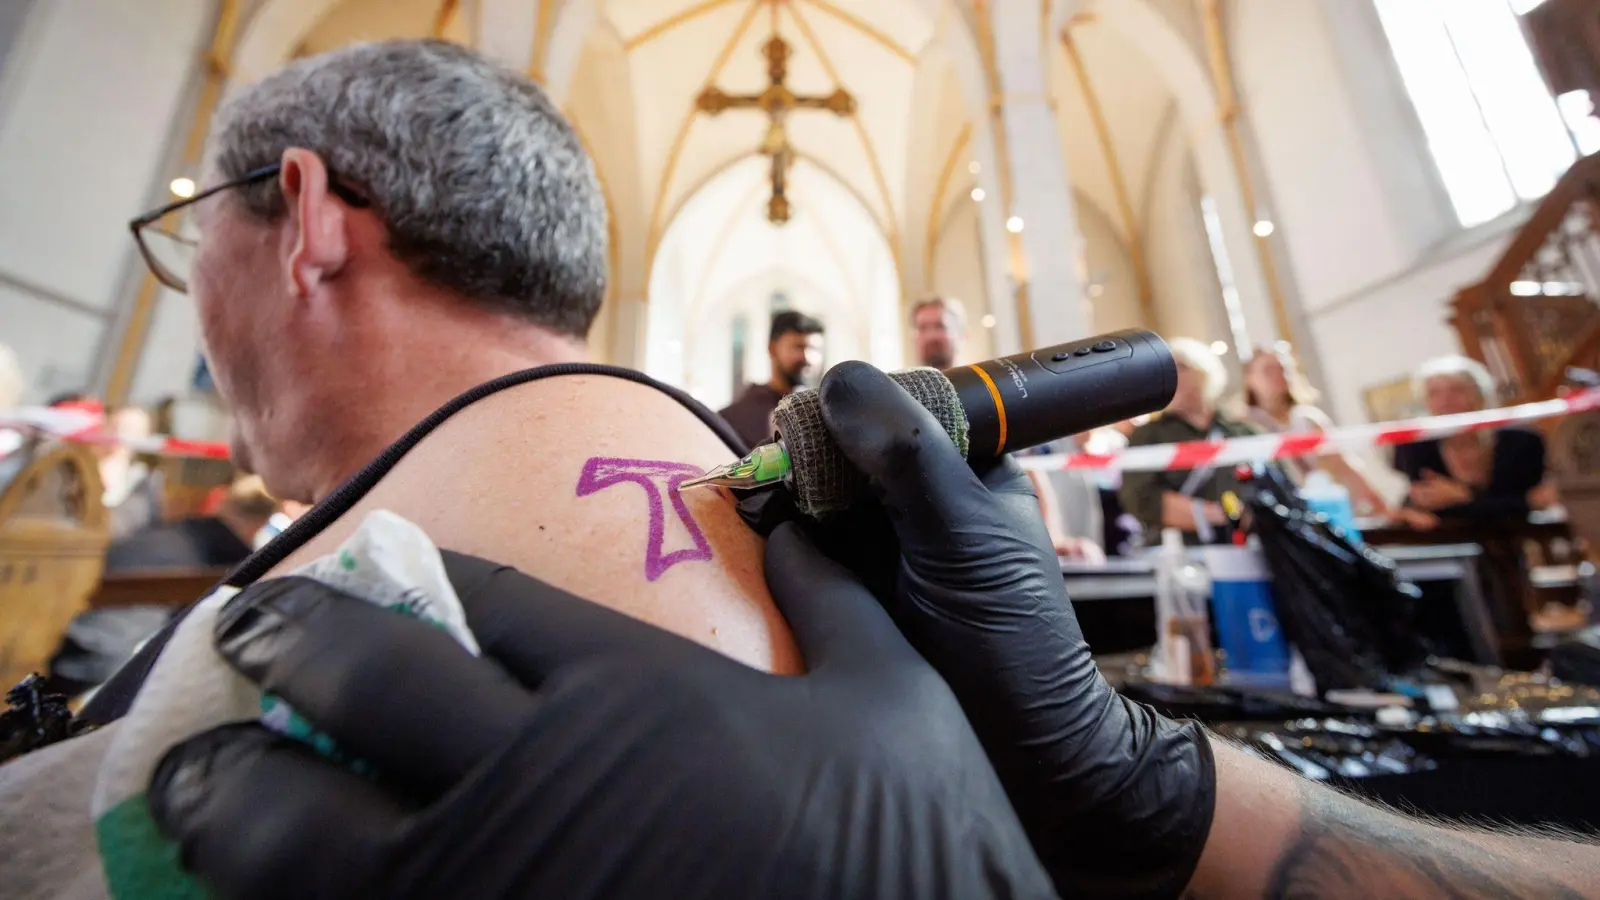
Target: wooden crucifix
[777, 101]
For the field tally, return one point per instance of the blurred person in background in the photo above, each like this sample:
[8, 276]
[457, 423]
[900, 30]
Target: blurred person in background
[1279, 401]
[99, 641]
[1121, 533]
[794, 347]
[133, 490]
[938, 331]
[1485, 475]
[1188, 500]
[1067, 500]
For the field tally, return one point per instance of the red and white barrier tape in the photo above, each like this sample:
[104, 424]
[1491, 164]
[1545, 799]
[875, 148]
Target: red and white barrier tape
[85, 426]
[1356, 438]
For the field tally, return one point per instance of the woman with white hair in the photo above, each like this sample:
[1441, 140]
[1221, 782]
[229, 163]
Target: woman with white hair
[1497, 474]
[1188, 500]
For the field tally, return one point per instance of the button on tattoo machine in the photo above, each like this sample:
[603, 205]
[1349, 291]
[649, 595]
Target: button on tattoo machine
[988, 409]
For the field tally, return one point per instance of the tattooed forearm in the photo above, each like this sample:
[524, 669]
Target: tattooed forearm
[1346, 848]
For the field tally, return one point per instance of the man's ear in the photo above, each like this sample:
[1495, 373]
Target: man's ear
[319, 243]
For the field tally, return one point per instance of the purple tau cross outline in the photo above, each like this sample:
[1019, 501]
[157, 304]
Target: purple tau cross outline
[602, 472]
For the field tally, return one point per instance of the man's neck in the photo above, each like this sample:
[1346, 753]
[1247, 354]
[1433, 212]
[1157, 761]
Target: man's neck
[405, 383]
[780, 385]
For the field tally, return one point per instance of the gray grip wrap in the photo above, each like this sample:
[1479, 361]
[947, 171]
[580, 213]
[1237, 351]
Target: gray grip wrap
[824, 481]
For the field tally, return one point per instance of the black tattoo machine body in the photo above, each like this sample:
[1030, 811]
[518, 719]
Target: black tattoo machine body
[988, 409]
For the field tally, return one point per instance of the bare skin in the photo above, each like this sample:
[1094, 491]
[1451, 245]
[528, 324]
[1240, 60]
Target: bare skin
[499, 480]
[329, 349]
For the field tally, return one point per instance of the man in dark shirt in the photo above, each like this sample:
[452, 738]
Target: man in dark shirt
[795, 348]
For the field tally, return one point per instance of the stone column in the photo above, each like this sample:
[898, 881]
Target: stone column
[1046, 253]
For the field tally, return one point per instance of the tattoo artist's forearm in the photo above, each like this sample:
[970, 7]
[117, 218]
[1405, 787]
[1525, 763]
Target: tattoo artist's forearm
[1276, 834]
[1349, 849]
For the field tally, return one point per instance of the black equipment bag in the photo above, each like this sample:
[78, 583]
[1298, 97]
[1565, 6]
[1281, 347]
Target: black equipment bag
[1343, 606]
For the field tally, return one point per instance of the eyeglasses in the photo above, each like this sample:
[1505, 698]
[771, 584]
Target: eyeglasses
[170, 254]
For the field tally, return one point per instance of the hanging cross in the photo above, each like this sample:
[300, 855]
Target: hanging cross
[777, 101]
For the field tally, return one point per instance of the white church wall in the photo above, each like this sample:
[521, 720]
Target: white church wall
[172, 351]
[87, 105]
[1188, 298]
[1383, 331]
[601, 106]
[669, 298]
[1110, 281]
[882, 344]
[938, 116]
[1331, 201]
[958, 272]
[1376, 250]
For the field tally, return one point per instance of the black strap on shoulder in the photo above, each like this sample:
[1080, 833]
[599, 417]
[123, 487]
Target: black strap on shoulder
[112, 700]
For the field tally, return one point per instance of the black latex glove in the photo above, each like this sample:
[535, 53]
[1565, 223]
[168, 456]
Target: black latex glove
[1117, 799]
[595, 757]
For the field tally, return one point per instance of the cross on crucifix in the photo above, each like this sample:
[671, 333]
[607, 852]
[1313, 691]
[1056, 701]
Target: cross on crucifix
[777, 101]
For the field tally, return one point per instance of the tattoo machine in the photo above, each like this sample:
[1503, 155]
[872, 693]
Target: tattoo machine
[988, 409]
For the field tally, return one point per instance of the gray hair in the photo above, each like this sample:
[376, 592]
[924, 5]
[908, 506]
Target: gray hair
[956, 310]
[1202, 359]
[485, 189]
[1456, 366]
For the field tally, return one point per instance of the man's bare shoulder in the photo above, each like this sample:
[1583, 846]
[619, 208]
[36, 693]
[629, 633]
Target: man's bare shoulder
[574, 480]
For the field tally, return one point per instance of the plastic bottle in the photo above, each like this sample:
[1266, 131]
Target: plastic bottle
[1324, 495]
[1171, 647]
[1183, 630]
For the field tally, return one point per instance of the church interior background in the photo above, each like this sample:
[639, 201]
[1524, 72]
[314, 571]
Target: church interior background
[1327, 173]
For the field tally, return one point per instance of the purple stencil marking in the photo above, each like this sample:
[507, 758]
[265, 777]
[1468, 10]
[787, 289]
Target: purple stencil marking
[654, 476]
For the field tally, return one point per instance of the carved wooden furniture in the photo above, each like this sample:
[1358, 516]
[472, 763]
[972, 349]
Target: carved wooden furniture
[53, 536]
[1536, 315]
[155, 587]
[1505, 572]
[1565, 37]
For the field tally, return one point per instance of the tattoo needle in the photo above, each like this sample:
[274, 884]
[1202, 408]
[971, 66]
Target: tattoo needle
[766, 465]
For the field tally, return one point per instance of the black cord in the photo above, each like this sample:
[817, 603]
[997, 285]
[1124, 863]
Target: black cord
[112, 700]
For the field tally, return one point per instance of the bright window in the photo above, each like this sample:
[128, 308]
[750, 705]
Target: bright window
[1495, 132]
[1230, 292]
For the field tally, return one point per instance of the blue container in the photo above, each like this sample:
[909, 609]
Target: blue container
[1324, 495]
[1246, 619]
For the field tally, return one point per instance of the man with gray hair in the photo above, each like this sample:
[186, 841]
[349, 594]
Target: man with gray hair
[402, 247]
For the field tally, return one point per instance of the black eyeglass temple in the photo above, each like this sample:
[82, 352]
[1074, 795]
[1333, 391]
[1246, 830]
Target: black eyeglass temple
[339, 189]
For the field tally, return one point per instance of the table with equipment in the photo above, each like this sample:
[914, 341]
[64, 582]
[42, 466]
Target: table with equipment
[1116, 600]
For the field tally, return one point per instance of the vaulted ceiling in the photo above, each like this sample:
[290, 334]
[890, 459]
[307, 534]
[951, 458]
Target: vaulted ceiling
[904, 161]
[676, 47]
